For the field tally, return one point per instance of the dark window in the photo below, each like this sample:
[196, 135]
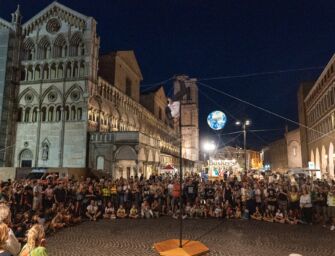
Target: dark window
[189, 96]
[26, 163]
[160, 114]
[128, 87]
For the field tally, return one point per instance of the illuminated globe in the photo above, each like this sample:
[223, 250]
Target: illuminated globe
[216, 120]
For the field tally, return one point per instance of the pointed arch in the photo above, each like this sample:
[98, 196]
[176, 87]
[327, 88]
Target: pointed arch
[26, 158]
[331, 160]
[317, 159]
[29, 89]
[51, 88]
[44, 48]
[28, 49]
[71, 89]
[76, 44]
[312, 159]
[323, 159]
[60, 47]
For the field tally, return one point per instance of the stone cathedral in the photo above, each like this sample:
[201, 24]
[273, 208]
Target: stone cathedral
[64, 106]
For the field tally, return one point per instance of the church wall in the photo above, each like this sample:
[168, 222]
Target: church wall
[25, 141]
[75, 141]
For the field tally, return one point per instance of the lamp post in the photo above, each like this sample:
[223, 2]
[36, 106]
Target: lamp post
[244, 125]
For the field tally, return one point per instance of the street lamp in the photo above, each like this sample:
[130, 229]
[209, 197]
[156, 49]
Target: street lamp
[208, 147]
[244, 125]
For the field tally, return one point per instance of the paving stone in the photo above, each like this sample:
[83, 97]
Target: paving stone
[224, 238]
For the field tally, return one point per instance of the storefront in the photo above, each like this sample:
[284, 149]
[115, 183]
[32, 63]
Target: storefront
[218, 167]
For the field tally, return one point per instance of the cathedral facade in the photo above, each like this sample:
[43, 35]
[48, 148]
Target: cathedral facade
[64, 106]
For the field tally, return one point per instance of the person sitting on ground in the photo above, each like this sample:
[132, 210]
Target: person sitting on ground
[257, 215]
[4, 235]
[218, 211]
[66, 216]
[291, 218]
[188, 209]
[193, 211]
[146, 211]
[19, 227]
[35, 245]
[228, 211]
[211, 210]
[204, 210]
[121, 212]
[246, 213]
[268, 216]
[238, 213]
[57, 222]
[75, 217]
[155, 209]
[93, 211]
[133, 213]
[11, 245]
[198, 211]
[109, 209]
[279, 217]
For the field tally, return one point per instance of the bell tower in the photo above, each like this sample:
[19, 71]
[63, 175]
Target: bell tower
[10, 43]
[189, 116]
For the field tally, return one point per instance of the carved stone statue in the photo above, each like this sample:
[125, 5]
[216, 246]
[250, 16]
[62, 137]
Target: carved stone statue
[45, 151]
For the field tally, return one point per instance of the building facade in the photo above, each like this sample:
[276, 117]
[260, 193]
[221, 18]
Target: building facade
[318, 114]
[72, 108]
[285, 153]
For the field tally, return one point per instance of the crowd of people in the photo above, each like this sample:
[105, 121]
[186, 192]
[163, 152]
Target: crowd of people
[41, 208]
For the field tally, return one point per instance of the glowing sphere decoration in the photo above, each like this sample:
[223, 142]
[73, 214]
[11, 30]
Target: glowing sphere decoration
[216, 120]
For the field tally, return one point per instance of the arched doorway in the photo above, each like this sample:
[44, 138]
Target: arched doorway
[26, 158]
[125, 158]
[331, 160]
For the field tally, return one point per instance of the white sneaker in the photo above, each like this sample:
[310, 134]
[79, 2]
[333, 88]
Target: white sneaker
[332, 228]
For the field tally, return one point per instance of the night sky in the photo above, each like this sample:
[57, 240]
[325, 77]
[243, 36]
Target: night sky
[212, 38]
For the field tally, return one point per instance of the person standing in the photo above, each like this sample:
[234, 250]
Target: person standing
[306, 206]
[37, 196]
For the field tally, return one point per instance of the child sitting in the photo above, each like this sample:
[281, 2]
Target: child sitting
[188, 210]
[198, 211]
[257, 215]
[155, 209]
[238, 213]
[146, 212]
[121, 212]
[109, 209]
[227, 210]
[246, 214]
[133, 212]
[279, 217]
[268, 216]
[218, 211]
[93, 211]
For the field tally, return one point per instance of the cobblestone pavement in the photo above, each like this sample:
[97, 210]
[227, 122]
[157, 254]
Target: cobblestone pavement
[224, 238]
